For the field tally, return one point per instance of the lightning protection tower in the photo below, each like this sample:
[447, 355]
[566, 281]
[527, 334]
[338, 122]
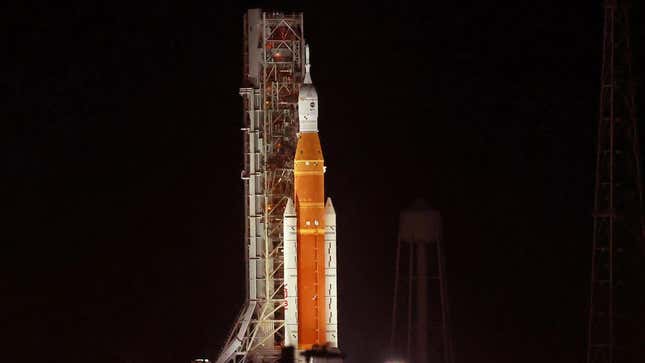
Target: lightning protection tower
[615, 304]
[273, 70]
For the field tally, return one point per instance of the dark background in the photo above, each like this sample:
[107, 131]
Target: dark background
[121, 165]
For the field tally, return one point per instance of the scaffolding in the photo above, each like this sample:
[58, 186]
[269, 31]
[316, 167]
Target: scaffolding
[273, 71]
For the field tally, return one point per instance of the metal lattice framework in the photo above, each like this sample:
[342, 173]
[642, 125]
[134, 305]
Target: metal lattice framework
[616, 277]
[273, 71]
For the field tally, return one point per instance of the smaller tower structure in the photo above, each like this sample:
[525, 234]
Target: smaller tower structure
[425, 334]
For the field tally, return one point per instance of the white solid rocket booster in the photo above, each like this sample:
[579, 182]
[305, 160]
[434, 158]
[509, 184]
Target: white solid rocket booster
[331, 297]
[290, 274]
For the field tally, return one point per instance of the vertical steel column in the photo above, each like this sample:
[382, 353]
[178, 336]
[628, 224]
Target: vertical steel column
[408, 349]
[396, 293]
[422, 302]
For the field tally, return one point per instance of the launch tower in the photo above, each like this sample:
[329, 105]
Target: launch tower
[273, 69]
[290, 232]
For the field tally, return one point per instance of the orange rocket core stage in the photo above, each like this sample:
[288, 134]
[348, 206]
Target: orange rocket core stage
[309, 190]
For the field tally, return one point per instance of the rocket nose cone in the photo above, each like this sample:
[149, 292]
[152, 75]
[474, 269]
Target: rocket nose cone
[329, 207]
[289, 209]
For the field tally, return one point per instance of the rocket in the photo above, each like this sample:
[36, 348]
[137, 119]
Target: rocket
[309, 237]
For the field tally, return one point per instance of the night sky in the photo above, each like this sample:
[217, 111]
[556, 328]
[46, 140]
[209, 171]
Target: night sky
[121, 160]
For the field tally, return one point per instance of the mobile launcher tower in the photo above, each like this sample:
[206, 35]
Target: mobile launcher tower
[290, 232]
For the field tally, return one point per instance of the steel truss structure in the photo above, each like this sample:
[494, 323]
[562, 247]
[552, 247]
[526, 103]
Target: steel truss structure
[273, 72]
[615, 305]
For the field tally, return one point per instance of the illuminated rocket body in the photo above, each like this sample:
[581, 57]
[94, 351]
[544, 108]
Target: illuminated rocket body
[310, 237]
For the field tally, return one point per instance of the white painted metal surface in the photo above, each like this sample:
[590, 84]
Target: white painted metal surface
[236, 341]
[308, 101]
[290, 226]
[331, 295]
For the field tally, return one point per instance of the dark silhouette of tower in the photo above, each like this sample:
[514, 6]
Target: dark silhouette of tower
[616, 297]
[420, 261]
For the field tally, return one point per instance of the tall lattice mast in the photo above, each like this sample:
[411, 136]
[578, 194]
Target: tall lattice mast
[617, 224]
[273, 71]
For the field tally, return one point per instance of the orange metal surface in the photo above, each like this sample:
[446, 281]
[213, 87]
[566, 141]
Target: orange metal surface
[309, 190]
